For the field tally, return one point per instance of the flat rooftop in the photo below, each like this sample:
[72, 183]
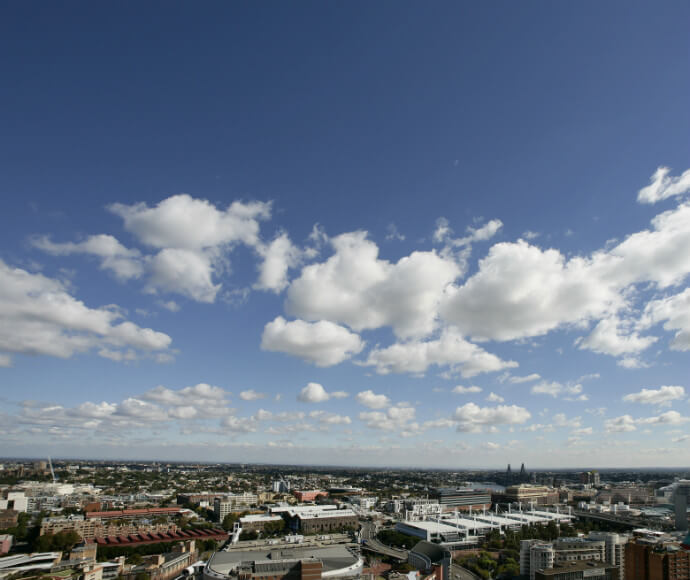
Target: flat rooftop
[333, 557]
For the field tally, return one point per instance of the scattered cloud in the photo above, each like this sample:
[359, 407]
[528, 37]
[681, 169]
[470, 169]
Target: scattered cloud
[662, 186]
[460, 390]
[251, 395]
[357, 288]
[39, 316]
[661, 396]
[321, 343]
[370, 399]
[315, 393]
[471, 417]
[449, 350]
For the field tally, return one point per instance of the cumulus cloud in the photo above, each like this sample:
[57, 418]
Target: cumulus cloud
[471, 417]
[494, 398]
[628, 423]
[251, 395]
[525, 379]
[661, 396]
[460, 390]
[200, 395]
[185, 272]
[674, 311]
[356, 288]
[398, 418]
[620, 424]
[278, 257]
[239, 424]
[38, 316]
[449, 350]
[607, 338]
[123, 262]
[663, 186]
[322, 343]
[315, 393]
[556, 389]
[521, 290]
[370, 399]
[181, 221]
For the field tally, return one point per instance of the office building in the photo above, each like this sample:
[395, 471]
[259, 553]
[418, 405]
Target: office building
[462, 499]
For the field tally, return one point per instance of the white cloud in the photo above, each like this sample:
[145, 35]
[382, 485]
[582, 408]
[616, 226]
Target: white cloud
[356, 288]
[181, 221]
[185, 272]
[123, 262]
[472, 417]
[170, 305]
[662, 396]
[606, 338]
[525, 379]
[675, 310]
[334, 419]
[556, 389]
[631, 362]
[200, 395]
[460, 390]
[662, 186]
[38, 316]
[141, 410]
[392, 233]
[628, 423]
[278, 257]
[450, 349]
[583, 431]
[315, 393]
[239, 424]
[322, 343]
[521, 290]
[370, 399]
[251, 395]
[561, 420]
[623, 423]
[667, 418]
[396, 418]
[494, 398]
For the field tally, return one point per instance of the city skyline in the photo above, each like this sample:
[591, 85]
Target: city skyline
[346, 235]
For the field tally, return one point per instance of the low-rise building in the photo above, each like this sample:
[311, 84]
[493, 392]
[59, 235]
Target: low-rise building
[431, 558]
[579, 571]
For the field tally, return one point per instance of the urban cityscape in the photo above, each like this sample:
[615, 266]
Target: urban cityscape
[143, 521]
[344, 290]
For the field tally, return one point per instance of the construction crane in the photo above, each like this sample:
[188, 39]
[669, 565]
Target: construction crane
[52, 472]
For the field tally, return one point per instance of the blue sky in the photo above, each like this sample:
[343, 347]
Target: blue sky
[454, 234]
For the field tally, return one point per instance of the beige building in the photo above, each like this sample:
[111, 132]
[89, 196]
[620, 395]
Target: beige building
[95, 528]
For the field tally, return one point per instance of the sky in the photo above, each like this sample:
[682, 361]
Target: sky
[449, 234]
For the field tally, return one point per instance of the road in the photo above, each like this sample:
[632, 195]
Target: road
[460, 573]
[376, 546]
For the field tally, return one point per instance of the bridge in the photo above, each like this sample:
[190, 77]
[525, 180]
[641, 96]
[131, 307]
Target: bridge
[375, 546]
